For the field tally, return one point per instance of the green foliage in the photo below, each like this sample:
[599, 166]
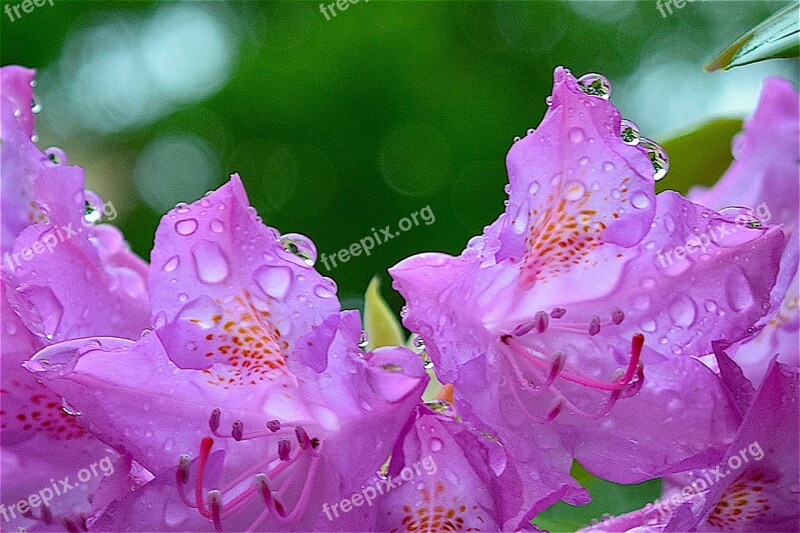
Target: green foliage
[380, 323]
[776, 37]
[607, 499]
[699, 156]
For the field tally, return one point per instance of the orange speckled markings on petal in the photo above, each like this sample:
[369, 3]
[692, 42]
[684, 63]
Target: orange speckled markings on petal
[564, 234]
[42, 413]
[430, 517]
[745, 500]
[253, 345]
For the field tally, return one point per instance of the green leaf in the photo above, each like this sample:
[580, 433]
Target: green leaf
[381, 325]
[699, 156]
[607, 498]
[778, 36]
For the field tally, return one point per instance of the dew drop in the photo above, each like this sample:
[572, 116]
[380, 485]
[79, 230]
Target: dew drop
[649, 326]
[436, 444]
[596, 85]
[576, 135]
[683, 311]
[658, 157]
[639, 200]
[300, 246]
[186, 227]
[737, 291]
[56, 156]
[583, 161]
[217, 226]
[36, 105]
[210, 262]
[608, 166]
[275, 281]
[171, 264]
[574, 191]
[67, 408]
[629, 132]
[363, 340]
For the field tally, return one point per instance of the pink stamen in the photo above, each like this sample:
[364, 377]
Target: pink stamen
[215, 503]
[637, 343]
[205, 449]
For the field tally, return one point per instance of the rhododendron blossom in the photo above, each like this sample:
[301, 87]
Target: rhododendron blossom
[225, 388]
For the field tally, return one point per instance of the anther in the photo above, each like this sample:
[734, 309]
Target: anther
[302, 438]
[524, 328]
[237, 431]
[215, 505]
[269, 496]
[617, 316]
[559, 360]
[558, 312]
[284, 447]
[47, 515]
[635, 385]
[182, 474]
[594, 325]
[555, 409]
[542, 320]
[213, 421]
[274, 425]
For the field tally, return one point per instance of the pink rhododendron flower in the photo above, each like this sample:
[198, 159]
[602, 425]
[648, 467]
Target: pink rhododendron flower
[764, 184]
[755, 486]
[254, 404]
[541, 318]
[63, 278]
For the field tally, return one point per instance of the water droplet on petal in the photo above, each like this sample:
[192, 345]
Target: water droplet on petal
[182, 207]
[595, 85]
[548, 100]
[436, 444]
[275, 281]
[574, 191]
[186, 227]
[576, 135]
[683, 311]
[56, 156]
[363, 340]
[649, 326]
[67, 408]
[36, 105]
[171, 264]
[710, 306]
[737, 291]
[92, 206]
[531, 131]
[217, 226]
[639, 200]
[516, 139]
[658, 157]
[210, 262]
[300, 246]
[629, 132]
[534, 187]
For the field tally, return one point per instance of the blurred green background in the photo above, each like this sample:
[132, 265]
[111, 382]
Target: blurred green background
[343, 125]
